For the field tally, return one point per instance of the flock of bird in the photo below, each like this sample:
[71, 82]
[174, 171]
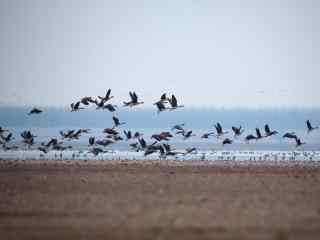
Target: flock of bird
[138, 143]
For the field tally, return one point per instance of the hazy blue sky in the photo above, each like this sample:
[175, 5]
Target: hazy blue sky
[210, 53]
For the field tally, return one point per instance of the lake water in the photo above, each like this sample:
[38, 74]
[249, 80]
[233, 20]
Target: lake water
[48, 124]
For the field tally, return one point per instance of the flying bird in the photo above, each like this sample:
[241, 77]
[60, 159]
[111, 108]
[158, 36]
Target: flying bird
[188, 134]
[226, 141]
[290, 135]
[310, 128]
[219, 130]
[110, 131]
[259, 135]
[207, 135]
[178, 127]
[75, 107]
[109, 107]
[128, 134]
[237, 130]
[160, 106]
[35, 111]
[298, 142]
[87, 100]
[107, 97]
[174, 103]
[91, 141]
[268, 131]
[134, 100]
[250, 137]
[117, 122]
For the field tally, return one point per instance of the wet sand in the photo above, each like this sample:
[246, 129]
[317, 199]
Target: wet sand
[159, 200]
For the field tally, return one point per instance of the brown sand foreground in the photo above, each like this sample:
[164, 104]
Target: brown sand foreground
[152, 200]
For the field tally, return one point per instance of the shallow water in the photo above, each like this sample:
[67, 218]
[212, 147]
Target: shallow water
[148, 123]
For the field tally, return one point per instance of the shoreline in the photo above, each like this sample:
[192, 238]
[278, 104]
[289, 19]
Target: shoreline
[126, 199]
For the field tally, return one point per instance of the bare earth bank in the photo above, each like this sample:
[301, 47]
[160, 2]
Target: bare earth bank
[159, 200]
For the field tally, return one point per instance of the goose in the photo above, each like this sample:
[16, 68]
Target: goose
[143, 143]
[219, 130]
[310, 128]
[27, 134]
[190, 150]
[168, 151]
[174, 103]
[160, 137]
[87, 100]
[163, 99]
[67, 134]
[91, 141]
[117, 121]
[137, 135]
[53, 141]
[43, 149]
[160, 106]
[96, 151]
[84, 130]
[76, 135]
[259, 135]
[268, 131]
[188, 134]
[35, 111]
[110, 131]
[104, 143]
[153, 149]
[207, 135]
[237, 130]
[8, 138]
[109, 107]
[128, 134]
[166, 134]
[226, 141]
[107, 97]
[298, 142]
[75, 107]
[290, 135]
[134, 146]
[250, 137]
[178, 127]
[117, 138]
[100, 105]
[134, 100]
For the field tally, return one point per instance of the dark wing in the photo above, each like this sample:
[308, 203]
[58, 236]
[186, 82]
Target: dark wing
[219, 126]
[309, 125]
[76, 106]
[174, 101]
[115, 120]
[108, 94]
[167, 147]
[131, 96]
[267, 129]
[135, 97]
[160, 106]
[9, 136]
[258, 133]
[163, 97]
[142, 142]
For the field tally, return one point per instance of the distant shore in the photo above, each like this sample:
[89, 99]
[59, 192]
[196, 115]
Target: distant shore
[127, 199]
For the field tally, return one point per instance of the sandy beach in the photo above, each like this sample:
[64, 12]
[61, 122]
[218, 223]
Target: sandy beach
[159, 200]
